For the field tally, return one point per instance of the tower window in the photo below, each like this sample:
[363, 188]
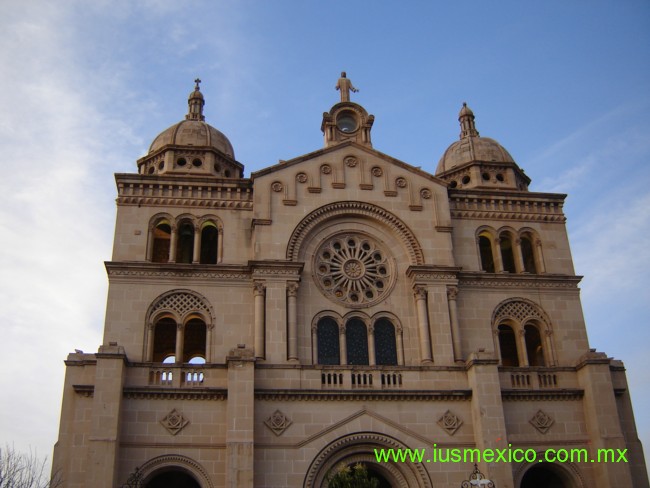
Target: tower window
[185, 248]
[508, 346]
[161, 239]
[527, 255]
[194, 340]
[209, 241]
[534, 348]
[487, 258]
[164, 341]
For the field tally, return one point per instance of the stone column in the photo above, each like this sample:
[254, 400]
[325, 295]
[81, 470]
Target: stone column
[103, 441]
[522, 352]
[292, 320]
[151, 331]
[196, 252]
[314, 343]
[602, 419]
[498, 258]
[372, 359]
[150, 240]
[539, 257]
[240, 418]
[549, 356]
[343, 345]
[173, 243]
[420, 294]
[519, 258]
[219, 245]
[487, 414]
[180, 340]
[208, 343]
[399, 345]
[260, 330]
[452, 294]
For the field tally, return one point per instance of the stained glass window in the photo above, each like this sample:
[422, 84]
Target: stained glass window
[385, 345]
[328, 341]
[356, 337]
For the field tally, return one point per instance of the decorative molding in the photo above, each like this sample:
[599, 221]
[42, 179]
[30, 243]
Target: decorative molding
[352, 208]
[278, 422]
[180, 303]
[510, 280]
[480, 205]
[87, 391]
[176, 271]
[433, 274]
[563, 394]
[174, 422]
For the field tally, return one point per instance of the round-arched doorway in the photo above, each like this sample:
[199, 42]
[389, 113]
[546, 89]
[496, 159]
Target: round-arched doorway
[172, 478]
[549, 476]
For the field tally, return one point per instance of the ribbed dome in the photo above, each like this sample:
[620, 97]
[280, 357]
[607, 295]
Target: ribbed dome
[471, 147]
[193, 133]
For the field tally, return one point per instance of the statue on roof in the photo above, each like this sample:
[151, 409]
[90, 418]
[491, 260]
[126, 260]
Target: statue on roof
[345, 86]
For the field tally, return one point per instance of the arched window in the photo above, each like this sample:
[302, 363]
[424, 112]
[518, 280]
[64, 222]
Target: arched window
[528, 255]
[385, 343]
[194, 339]
[507, 253]
[487, 258]
[185, 246]
[209, 240]
[534, 348]
[162, 234]
[508, 346]
[328, 341]
[356, 338]
[164, 340]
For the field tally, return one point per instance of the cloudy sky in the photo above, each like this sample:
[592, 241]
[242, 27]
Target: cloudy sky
[86, 86]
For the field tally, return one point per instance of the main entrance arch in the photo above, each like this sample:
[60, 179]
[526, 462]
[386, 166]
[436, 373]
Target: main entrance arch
[548, 475]
[172, 478]
[360, 448]
[174, 471]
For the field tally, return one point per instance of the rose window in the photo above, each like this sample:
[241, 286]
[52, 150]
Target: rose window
[353, 269]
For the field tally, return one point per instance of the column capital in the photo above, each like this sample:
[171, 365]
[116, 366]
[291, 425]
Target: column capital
[292, 289]
[259, 288]
[420, 293]
[452, 292]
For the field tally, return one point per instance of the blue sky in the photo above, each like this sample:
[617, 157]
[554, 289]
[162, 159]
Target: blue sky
[86, 86]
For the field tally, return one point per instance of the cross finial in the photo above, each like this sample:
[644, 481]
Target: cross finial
[197, 81]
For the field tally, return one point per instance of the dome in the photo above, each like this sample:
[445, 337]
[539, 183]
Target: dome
[193, 133]
[471, 147]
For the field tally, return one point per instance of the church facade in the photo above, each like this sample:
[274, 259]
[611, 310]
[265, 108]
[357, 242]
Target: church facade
[267, 331]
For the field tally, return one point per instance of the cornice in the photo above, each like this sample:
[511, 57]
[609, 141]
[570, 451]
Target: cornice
[362, 395]
[471, 279]
[541, 395]
[506, 205]
[122, 270]
[432, 273]
[184, 191]
[176, 393]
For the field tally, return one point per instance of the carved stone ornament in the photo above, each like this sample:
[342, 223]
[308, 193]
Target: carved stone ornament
[425, 193]
[400, 182]
[377, 171]
[351, 161]
[174, 422]
[450, 422]
[278, 422]
[542, 421]
[277, 187]
[325, 169]
[301, 178]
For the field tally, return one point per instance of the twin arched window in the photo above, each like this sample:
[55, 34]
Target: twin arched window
[185, 241]
[527, 351]
[179, 343]
[510, 251]
[356, 343]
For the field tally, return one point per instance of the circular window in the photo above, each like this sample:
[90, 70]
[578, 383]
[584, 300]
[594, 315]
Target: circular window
[353, 269]
[227, 173]
[465, 180]
[486, 176]
[161, 165]
[181, 162]
[151, 170]
[197, 163]
[453, 184]
[500, 177]
[217, 167]
[346, 122]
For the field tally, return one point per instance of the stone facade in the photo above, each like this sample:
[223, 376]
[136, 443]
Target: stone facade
[263, 331]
